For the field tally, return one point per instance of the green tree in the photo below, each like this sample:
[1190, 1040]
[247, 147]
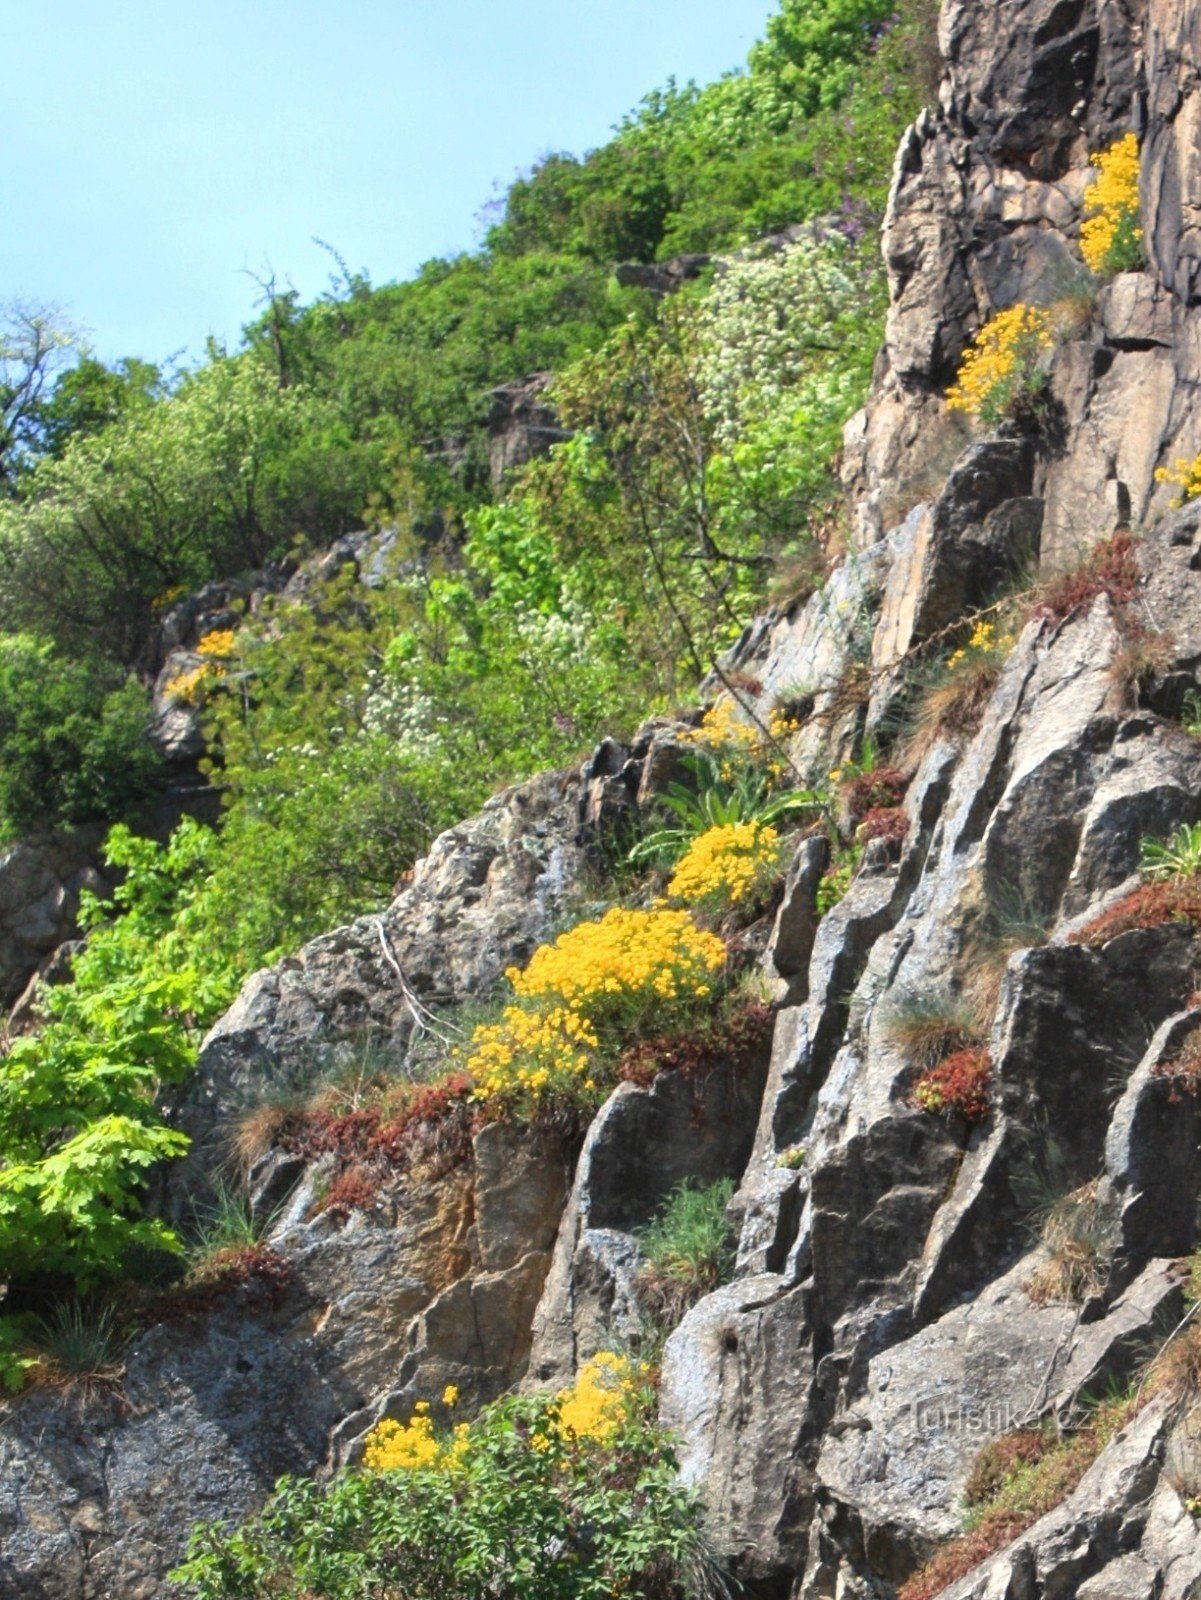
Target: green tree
[73, 744]
[218, 478]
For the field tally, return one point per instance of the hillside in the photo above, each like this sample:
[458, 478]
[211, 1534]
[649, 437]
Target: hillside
[740, 1135]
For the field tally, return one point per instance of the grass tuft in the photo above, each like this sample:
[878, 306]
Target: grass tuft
[687, 1250]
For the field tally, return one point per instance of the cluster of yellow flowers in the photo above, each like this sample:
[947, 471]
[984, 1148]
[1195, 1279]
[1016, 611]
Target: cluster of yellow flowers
[168, 597]
[187, 686]
[215, 647]
[1186, 475]
[529, 1054]
[1001, 361]
[726, 865]
[217, 644]
[1110, 236]
[986, 640]
[414, 1444]
[615, 969]
[732, 738]
[598, 1401]
[579, 993]
[593, 1408]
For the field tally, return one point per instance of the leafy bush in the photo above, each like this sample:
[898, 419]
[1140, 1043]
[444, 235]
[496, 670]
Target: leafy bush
[79, 1130]
[555, 1497]
[216, 478]
[1111, 239]
[73, 745]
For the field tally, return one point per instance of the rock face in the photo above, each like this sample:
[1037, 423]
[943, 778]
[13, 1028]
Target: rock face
[894, 1306]
[41, 880]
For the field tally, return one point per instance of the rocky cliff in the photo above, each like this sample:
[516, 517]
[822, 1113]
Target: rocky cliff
[885, 1321]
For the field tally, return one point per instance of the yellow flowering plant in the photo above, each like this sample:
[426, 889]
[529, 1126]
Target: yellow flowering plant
[1111, 239]
[1003, 368]
[579, 999]
[1186, 475]
[188, 687]
[486, 1507]
[729, 865]
[217, 644]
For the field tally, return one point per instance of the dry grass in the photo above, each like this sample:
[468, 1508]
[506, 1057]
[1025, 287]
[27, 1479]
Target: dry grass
[1009, 923]
[1141, 659]
[262, 1129]
[1183, 1070]
[951, 706]
[1074, 1228]
[929, 1027]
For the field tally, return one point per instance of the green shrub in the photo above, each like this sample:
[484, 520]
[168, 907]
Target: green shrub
[547, 1497]
[79, 1129]
[73, 745]
[214, 479]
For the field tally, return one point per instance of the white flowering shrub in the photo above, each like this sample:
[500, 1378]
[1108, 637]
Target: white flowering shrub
[787, 338]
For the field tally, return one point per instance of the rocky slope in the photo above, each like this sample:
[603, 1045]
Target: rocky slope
[830, 1402]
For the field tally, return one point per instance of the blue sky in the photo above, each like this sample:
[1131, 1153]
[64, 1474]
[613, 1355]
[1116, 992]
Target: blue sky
[156, 150]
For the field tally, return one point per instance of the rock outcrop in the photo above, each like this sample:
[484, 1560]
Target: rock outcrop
[892, 1309]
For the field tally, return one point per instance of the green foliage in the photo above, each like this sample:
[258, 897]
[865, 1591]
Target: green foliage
[569, 1520]
[689, 1240]
[73, 741]
[1190, 713]
[1178, 856]
[79, 1130]
[89, 396]
[218, 477]
[838, 876]
[348, 733]
[814, 48]
[716, 800]
[810, 128]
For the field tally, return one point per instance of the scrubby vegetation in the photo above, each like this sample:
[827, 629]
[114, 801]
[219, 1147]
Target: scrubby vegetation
[559, 1497]
[511, 620]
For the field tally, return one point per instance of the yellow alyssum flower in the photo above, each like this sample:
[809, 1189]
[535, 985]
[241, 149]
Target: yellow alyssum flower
[1186, 475]
[598, 1402]
[1002, 360]
[450, 1395]
[576, 998]
[188, 686]
[529, 1053]
[406, 1445]
[626, 960]
[726, 864]
[217, 644]
[1110, 236]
